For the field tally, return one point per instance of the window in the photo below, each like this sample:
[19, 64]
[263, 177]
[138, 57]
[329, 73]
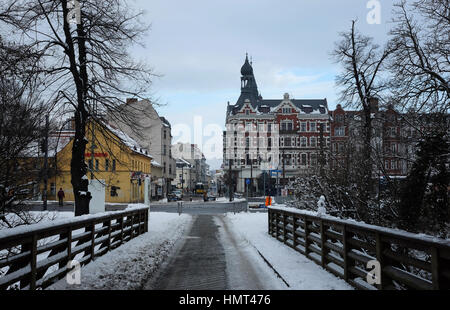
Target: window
[312, 126]
[106, 164]
[269, 142]
[269, 127]
[114, 165]
[286, 125]
[286, 110]
[391, 131]
[164, 169]
[114, 191]
[303, 142]
[96, 165]
[339, 131]
[313, 142]
[340, 118]
[386, 164]
[304, 160]
[393, 148]
[303, 126]
[247, 112]
[394, 165]
[52, 189]
[165, 134]
[261, 127]
[313, 160]
[91, 167]
[165, 150]
[287, 142]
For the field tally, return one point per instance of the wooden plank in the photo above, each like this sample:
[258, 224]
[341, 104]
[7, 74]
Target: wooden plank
[407, 260]
[407, 278]
[334, 247]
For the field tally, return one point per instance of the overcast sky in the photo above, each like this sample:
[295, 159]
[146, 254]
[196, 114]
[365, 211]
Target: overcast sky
[199, 46]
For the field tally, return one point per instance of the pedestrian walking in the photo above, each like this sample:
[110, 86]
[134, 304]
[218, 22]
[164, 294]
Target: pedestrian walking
[61, 197]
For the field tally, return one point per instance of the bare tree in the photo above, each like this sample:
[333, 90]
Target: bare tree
[87, 63]
[421, 62]
[20, 128]
[361, 80]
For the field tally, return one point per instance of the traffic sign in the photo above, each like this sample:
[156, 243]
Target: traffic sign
[247, 181]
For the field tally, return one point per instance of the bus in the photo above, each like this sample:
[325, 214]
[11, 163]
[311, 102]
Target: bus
[201, 188]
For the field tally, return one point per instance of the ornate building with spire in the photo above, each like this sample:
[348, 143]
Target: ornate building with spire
[283, 135]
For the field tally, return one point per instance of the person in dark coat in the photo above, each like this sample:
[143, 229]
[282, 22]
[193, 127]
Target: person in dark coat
[61, 196]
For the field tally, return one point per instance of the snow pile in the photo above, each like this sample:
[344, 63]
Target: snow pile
[227, 200]
[33, 217]
[131, 265]
[297, 270]
[321, 210]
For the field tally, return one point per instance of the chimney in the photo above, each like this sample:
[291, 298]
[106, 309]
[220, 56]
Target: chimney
[131, 100]
[373, 104]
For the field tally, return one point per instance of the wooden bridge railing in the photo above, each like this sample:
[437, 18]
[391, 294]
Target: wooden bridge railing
[344, 248]
[37, 256]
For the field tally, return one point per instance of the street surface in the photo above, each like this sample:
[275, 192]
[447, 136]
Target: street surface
[210, 257]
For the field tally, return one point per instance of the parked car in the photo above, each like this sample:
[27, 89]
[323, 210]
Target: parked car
[172, 197]
[179, 194]
[211, 197]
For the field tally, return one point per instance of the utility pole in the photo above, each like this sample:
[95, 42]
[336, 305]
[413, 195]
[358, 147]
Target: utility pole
[251, 177]
[284, 175]
[44, 198]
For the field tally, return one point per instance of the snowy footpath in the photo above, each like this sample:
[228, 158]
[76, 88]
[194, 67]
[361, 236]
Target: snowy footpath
[296, 270]
[131, 265]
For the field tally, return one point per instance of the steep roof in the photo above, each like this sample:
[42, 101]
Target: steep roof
[249, 91]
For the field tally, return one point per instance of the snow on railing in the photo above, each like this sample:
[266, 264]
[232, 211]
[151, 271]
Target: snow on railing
[36, 256]
[396, 259]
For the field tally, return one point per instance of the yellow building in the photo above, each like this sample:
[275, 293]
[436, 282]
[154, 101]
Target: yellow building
[117, 160]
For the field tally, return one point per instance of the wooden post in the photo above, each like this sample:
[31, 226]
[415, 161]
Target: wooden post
[109, 234]
[276, 224]
[385, 281]
[294, 228]
[121, 230]
[146, 221]
[345, 252]
[33, 262]
[439, 261]
[323, 239]
[305, 220]
[435, 266]
[92, 241]
[269, 222]
[132, 227]
[69, 245]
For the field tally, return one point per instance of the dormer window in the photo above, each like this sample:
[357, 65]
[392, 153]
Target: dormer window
[247, 112]
[287, 110]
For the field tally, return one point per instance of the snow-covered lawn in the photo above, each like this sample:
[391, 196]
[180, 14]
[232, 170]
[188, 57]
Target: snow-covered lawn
[298, 271]
[131, 265]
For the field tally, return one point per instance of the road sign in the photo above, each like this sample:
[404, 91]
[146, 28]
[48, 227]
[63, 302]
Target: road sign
[247, 181]
[275, 172]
